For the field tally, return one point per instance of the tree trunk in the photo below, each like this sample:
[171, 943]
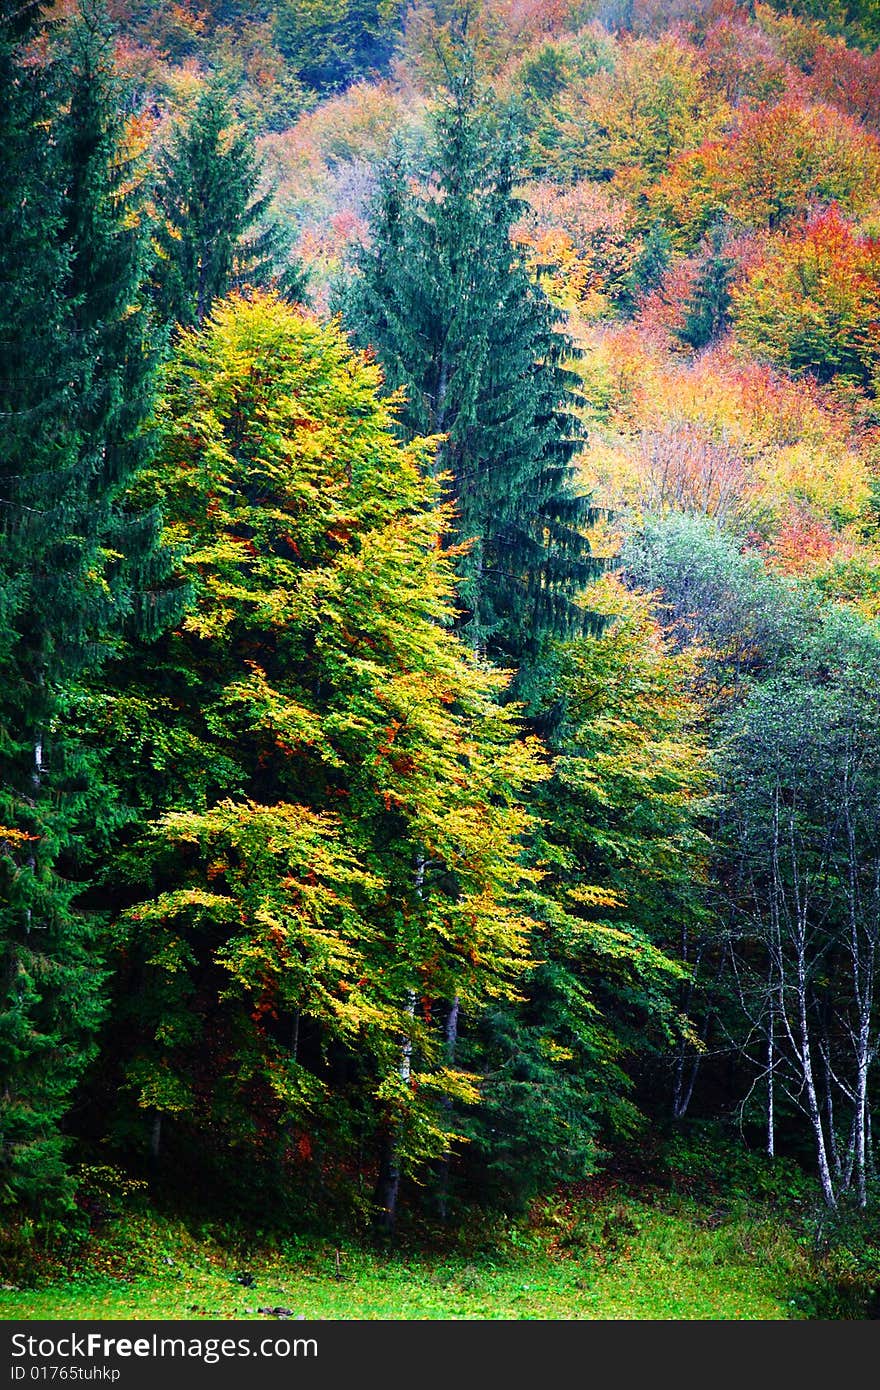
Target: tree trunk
[388, 1180]
[683, 1088]
[451, 1041]
[387, 1185]
[861, 1116]
[806, 1062]
[156, 1137]
[771, 1063]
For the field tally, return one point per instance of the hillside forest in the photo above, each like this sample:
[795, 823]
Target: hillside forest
[439, 600]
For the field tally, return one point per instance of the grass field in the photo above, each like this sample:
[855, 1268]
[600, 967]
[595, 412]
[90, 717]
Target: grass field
[620, 1257]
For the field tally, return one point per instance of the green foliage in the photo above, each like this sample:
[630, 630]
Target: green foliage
[327, 44]
[446, 303]
[215, 232]
[651, 263]
[719, 599]
[343, 795]
[623, 861]
[543, 88]
[799, 860]
[707, 311]
[290, 902]
[858, 20]
[791, 685]
[76, 376]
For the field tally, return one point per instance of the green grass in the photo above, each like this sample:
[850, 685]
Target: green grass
[618, 1257]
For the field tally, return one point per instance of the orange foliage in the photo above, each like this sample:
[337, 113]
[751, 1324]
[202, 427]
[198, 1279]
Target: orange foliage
[814, 304]
[358, 124]
[581, 239]
[803, 544]
[497, 31]
[654, 105]
[848, 79]
[774, 166]
[684, 468]
[742, 62]
[323, 168]
[661, 313]
[721, 434]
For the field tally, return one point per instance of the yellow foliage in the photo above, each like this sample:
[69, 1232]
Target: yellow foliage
[775, 444]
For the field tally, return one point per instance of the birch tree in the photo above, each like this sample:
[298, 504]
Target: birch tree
[802, 781]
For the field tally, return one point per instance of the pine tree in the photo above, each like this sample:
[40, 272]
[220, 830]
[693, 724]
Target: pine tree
[447, 304]
[33, 392]
[41, 1026]
[651, 263]
[112, 335]
[76, 382]
[624, 864]
[707, 312]
[215, 232]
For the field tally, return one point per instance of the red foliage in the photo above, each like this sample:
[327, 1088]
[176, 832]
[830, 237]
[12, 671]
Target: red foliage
[802, 543]
[779, 162]
[661, 313]
[742, 62]
[849, 80]
[814, 303]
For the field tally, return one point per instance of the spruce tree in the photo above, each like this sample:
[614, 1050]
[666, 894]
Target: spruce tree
[36, 451]
[624, 863]
[707, 312]
[112, 335]
[446, 302]
[75, 376]
[651, 263]
[215, 232]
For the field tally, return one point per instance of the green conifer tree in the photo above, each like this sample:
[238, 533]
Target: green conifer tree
[75, 376]
[651, 263]
[40, 1049]
[707, 312]
[215, 232]
[624, 864]
[446, 302]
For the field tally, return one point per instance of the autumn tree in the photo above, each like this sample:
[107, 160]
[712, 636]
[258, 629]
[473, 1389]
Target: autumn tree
[336, 796]
[857, 19]
[813, 305]
[773, 165]
[622, 109]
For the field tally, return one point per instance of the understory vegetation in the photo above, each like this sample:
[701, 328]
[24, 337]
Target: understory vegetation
[699, 1237]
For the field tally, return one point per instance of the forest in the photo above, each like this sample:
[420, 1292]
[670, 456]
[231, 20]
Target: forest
[440, 657]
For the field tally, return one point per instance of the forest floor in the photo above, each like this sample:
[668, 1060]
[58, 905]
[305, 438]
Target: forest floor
[609, 1249]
